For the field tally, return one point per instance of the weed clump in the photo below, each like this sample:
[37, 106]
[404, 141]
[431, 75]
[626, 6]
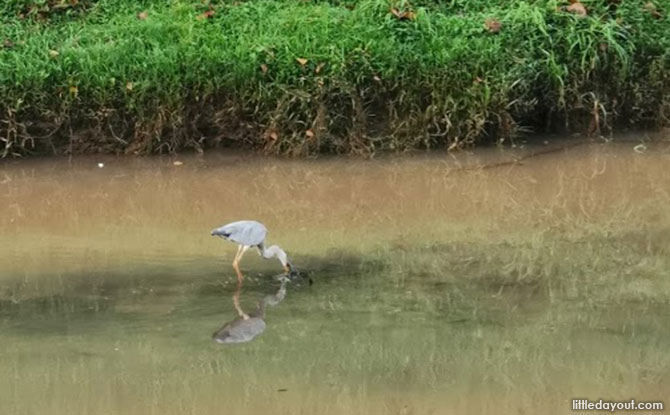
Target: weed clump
[299, 78]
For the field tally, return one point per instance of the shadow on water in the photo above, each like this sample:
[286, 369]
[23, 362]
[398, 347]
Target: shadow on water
[146, 296]
[245, 327]
[336, 265]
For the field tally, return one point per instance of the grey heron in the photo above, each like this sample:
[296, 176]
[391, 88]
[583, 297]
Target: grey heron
[245, 327]
[250, 233]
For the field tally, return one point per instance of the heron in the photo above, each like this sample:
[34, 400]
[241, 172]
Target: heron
[247, 234]
[245, 327]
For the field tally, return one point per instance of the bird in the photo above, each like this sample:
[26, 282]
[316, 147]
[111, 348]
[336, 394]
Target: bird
[250, 233]
[245, 327]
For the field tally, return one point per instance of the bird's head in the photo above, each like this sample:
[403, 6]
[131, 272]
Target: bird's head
[220, 232]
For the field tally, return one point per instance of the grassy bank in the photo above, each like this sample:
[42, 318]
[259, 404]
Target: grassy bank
[295, 77]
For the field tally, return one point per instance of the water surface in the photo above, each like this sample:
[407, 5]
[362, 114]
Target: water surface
[482, 282]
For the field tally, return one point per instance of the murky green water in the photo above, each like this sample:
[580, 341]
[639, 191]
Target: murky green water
[441, 284]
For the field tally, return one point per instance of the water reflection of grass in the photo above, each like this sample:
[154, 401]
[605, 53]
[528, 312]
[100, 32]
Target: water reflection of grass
[525, 323]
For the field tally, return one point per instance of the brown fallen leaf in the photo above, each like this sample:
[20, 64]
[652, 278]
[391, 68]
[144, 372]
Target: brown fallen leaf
[577, 9]
[264, 68]
[62, 6]
[301, 61]
[319, 67]
[492, 25]
[651, 8]
[403, 15]
[143, 15]
[206, 15]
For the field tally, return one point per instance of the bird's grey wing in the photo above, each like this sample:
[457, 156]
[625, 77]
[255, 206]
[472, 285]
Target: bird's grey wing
[254, 234]
[252, 328]
[240, 331]
[244, 232]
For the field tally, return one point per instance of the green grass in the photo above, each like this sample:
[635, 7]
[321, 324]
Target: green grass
[94, 77]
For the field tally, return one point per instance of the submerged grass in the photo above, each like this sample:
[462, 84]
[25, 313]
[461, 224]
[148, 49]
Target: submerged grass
[301, 78]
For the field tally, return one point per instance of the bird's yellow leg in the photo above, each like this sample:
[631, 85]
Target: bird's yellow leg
[236, 262]
[236, 266]
[236, 302]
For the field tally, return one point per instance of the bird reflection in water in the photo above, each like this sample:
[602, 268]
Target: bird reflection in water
[245, 327]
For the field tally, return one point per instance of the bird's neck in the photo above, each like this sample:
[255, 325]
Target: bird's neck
[272, 299]
[275, 251]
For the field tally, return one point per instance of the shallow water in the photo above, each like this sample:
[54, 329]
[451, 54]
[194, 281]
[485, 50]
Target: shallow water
[485, 282]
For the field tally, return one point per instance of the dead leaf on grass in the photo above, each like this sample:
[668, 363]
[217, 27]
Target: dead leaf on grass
[492, 25]
[206, 15]
[403, 15]
[652, 9]
[577, 9]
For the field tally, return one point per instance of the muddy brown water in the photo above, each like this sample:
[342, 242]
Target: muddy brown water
[110, 284]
